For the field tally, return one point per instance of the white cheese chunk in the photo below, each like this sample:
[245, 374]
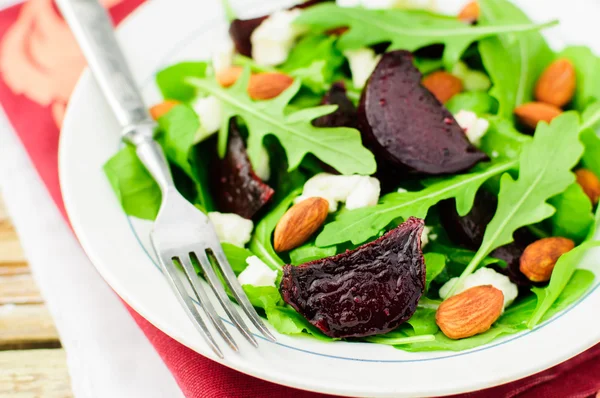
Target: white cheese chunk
[356, 191]
[362, 63]
[365, 193]
[232, 228]
[262, 168]
[425, 236]
[484, 276]
[257, 273]
[222, 57]
[273, 39]
[475, 127]
[210, 113]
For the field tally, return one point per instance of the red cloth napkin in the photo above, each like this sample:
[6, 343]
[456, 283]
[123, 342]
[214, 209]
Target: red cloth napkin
[39, 65]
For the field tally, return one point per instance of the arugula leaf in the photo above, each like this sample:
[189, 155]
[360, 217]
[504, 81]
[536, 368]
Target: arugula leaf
[428, 65]
[310, 252]
[587, 71]
[545, 171]
[561, 275]
[514, 62]
[314, 59]
[573, 217]
[136, 190]
[579, 283]
[340, 147]
[591, 154]
[179, 126]
[236, 256]
[287, 321]
[423, 321]
[404, 29]
[260, 244]
[262, 296]
[475, 101]
[502, 139]
[359, 225]
[434, 265]
[172, 81]
[179, 136]
[441, 342]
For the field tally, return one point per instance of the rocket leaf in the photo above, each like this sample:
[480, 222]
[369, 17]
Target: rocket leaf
[404, 29]
[339, 147]
[545, 166]
[587, 71]
[513, 61]
[359, 225]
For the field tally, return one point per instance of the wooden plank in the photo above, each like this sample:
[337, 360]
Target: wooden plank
[26, 326]
[12, 259]
[19, 289]
[34, 373]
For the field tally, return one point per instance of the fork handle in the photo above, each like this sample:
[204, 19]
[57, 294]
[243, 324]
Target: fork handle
[94, 32]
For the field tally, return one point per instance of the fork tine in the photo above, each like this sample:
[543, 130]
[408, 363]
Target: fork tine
[239, 293]
[184, 299]
[205, 303]
[217, 287]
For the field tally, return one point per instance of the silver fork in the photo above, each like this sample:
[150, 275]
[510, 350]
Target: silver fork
[181, 233]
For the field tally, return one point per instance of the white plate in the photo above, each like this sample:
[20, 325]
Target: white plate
[163, 32]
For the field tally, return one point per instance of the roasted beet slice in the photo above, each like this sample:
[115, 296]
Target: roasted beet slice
[406, 127]
[345, 115]
[234, 186]
[240, 30]
[468, 231]
[367, 291]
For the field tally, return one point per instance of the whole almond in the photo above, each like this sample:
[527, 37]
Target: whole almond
[227, 77]
[442, 85]
[470, 312]
[268, 85]
[540, 257]
[469, 13]
[262, 86]
[299, 223]
[556, 85]
[589, 183]
[162, 109]
[531, 113]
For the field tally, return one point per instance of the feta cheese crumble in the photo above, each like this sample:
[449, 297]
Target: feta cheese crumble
[356, 191]
[484, 276]
[222, 57]
[262, 168]
[362, 63]
[273, 39]
[209, 111]
[475, 127]
[425, 236]
[257, 273]
[232, 228]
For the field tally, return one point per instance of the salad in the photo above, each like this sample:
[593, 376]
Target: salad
[385, 174]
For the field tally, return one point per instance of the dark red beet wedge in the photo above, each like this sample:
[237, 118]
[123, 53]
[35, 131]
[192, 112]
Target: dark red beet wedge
[240, 30]
[234, 185]
[406, 127]
[367, 291]
[345, 115]
[468, 231]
